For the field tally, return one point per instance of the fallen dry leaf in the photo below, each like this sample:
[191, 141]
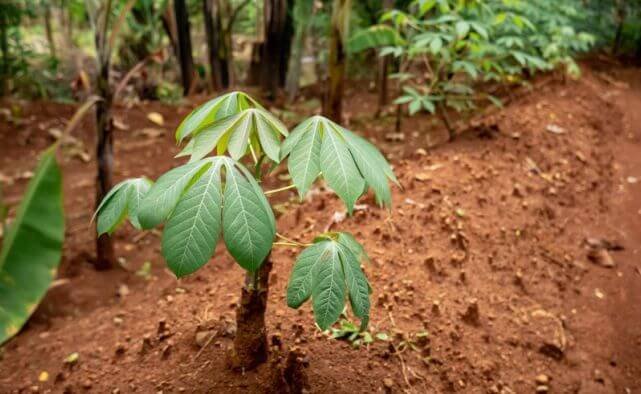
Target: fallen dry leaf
[156, 118]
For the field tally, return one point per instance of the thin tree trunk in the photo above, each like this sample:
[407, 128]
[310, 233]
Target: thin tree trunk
[169, 24]
[185, 57]
[333, 107]
[383, 63]
[302, 14]
[620, 17]
[218, 52]
[255, 65]
[4, 67]
[275, 47]
[49, 30]
[442, 111]
[618, 37]
[105, 256]
[250, 344]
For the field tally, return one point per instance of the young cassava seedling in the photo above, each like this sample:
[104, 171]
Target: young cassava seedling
[210, 195]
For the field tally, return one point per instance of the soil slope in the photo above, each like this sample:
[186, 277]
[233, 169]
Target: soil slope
[508, 264]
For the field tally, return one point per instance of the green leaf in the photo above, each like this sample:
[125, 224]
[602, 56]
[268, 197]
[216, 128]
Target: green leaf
[193, 229]
[248, 222]
[138, 189]
[122, 200]
[436, 44]
[348, 240]
[374, 37]
[209, 137]
[357, 285]
[234, 133]
[32, 247]
[415, 106]
[113, 208]
[299, 288]
[374, 168]
[299, 131]
[165, 193]
[462, 28]
[212, 111]
[239, 135]
[346, 157]
[304, 161]
[328, 288]
[323, 271]
[339, 169]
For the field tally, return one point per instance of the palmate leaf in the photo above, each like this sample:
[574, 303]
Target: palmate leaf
[122, 201]
[328, 288]
[165, 193]
[347, 161]
[374, 37]
[32, 247]
[192, 231]
[327, 271]
[248, 221]
[339, 169]
[214, 110]
[198, 206]
[231, 123]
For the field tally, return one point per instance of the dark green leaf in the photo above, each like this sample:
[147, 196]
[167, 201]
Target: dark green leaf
[165, 193]
[32, 247]
[328, 288]
[299, 288]
[248, 223]
[192, 231]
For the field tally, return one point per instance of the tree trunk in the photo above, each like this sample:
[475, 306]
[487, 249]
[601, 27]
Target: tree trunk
[275, 55]
[185, 57]
[218, 52]
[333, 105]
[4, 67]
[49, 30]
[105, 256]
[620, 19]
[618, 37]
[250, 344]
[382, 83]
[303, 10]
[255, 65]
[169, 24]
[383, 63]
[442, 111]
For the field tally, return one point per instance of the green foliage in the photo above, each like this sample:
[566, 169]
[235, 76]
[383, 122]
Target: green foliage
[328, 271]
[122, 201]
[374, 37]
[348, 162]
[446, 48]
[32, 247]
[233, 122]
[141, 36]
[209, 196]
[197, 206]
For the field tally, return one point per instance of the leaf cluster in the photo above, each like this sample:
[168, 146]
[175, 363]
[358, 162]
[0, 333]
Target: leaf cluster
[447, 48]
[213, 195]
[329, 272]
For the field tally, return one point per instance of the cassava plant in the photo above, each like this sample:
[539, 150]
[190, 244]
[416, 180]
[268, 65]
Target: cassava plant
[221, 193]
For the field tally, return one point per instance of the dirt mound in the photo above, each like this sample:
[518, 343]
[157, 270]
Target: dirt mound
[481, 273]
